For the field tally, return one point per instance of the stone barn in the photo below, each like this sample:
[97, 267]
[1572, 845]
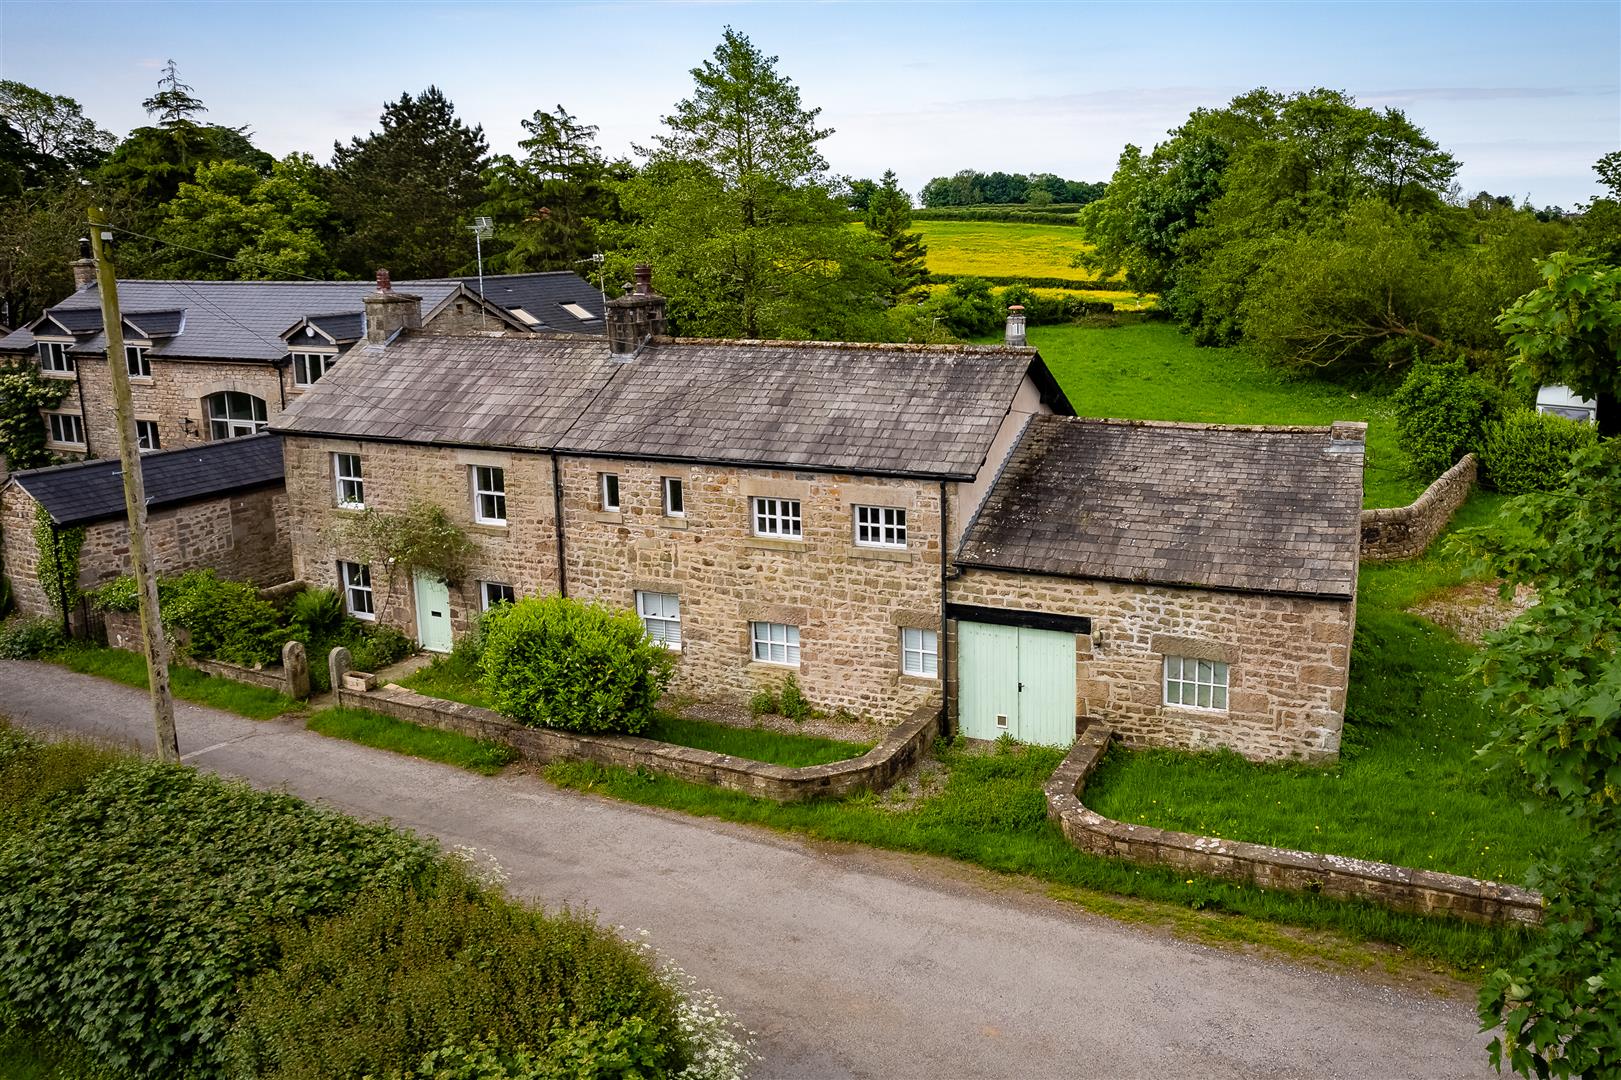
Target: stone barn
[220, 505]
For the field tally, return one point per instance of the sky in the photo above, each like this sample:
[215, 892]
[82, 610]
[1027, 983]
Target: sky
[1526, 95]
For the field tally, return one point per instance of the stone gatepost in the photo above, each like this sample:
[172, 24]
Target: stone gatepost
[337, 664]
[295, 667]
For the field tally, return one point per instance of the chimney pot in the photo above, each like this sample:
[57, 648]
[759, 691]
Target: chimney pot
[388, 312]
[1015, 326]
[384, 282]
[84, 267]
[644, 279]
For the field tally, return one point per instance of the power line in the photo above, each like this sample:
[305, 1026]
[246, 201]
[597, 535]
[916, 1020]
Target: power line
[212, 254]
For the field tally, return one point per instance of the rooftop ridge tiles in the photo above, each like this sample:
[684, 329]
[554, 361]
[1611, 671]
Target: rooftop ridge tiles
[1190, 425]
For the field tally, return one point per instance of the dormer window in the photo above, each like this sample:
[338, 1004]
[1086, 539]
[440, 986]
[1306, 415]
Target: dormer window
[309, 367]
[54, 358]
[135, 359]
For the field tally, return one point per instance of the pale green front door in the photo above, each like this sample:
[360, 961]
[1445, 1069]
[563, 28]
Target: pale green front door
[433, 613]
[1013, 680]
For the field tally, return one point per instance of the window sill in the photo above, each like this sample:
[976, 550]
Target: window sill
[1193, 710]
[64, 375]
[616, 517]
[772, 543]
[669, 522]
[768, 665]
[927, 681]
[72, 448]
[878, 554]
[363, 617]
[140, 380]
[491, 523]
[481, 528]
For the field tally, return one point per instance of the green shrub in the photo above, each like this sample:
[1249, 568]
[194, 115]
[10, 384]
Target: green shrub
[561, 663]
[315, 613]
[794, 704]
[5, 596]
[1530, 451]
[130, 913]
[1442, 411]
[967, 308]
[764, 703]
[436, 973]
[225, 620]
[119, 594]
[379, 646]
[34, 773]
[26, 638]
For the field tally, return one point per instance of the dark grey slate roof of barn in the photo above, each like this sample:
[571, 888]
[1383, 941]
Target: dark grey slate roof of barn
[884, 409]
[543, 296]
[1272, 510]
[89, 491]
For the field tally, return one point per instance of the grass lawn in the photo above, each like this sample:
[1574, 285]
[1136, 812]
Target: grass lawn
[402, 737]
[447, 678]
[1003, 248]
[1408, 789]
[1152, 371]
[755, 744]
[129, 668]
[991, 811]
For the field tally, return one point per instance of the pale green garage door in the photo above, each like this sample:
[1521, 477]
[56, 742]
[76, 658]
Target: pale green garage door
[1016, 681]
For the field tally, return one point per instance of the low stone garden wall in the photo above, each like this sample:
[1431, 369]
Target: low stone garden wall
[1404, 532]
[875, 770]
[290, 677]
[1399, 887]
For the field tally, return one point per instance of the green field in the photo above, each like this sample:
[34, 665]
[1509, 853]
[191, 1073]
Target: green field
[1002, 249]
[1152, 371]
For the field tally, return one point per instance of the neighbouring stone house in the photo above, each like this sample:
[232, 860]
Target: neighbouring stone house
[829, 511]
[217, 359]
[218, 505]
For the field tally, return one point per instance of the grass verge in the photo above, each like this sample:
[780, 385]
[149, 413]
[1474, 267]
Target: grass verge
[991, 812]
[452, 679]
[1152, 371]
[129, 668]
[402, 737]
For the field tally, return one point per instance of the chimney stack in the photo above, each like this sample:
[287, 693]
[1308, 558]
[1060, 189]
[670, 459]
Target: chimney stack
[636, 316]
[1015, 326]
[388, 312]
[84, 267]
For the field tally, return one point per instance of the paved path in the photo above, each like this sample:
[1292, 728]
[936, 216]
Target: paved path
[845, 963]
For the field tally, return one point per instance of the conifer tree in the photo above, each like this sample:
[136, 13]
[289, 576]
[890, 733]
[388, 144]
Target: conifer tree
[889, 215]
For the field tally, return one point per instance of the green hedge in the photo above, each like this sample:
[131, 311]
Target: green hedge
[173, 924]
[1080, 284]
[557, 662]
[1442, 412]
[1026, 217]
[1530, 451]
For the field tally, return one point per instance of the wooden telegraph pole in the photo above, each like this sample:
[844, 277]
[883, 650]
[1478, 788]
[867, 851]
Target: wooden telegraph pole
[146, 581]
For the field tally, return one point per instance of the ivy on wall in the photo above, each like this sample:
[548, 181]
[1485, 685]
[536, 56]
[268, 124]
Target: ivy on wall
[58, 559]
[23, 393]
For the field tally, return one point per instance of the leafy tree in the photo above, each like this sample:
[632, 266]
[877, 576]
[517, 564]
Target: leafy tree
[54, 128]
[1598, 229]
[275, 226]
[889, 215]
[1442, 413]
[1568, 331]
[548, 203]
[861, 193]
[174, 102]
[408, 193]
[739, 217]
[1554, 676]
[39, 234]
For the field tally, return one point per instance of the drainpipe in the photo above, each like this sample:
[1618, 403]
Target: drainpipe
[557, 517]
[281, 387]
[944, 658]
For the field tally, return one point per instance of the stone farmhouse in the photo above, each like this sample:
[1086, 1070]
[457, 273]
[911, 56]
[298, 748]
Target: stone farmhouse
[219, 505]
[890, 524]
[218, 359]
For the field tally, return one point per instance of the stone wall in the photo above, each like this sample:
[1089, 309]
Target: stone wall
[1289, 659]
[875, 770]
[290, 677]
[1405, 532]
[850, 603]
[173, 394]
[1399, 887]
[243, 537]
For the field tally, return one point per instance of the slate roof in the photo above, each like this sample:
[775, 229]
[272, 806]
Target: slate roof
[244, 320]
[881, 409]
[543, 296]
[89, 491]
[1273, 510]
[337, 328]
